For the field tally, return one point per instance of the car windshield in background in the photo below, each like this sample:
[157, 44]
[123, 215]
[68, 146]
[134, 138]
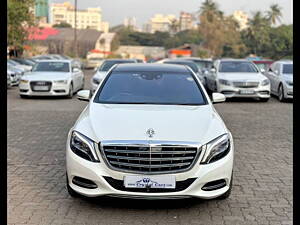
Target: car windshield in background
[150, 88]
[287, 68]
[51, 67]
[193, 66]
[203, 64]
[109, 64]
[237, 67]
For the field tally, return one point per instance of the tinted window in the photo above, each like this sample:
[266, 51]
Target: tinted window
[232, 67]
[52, 67]
[287, 68]
[193, 66]
[150, 88]
[109, 64]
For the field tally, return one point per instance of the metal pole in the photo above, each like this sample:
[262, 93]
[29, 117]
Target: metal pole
[75, 30]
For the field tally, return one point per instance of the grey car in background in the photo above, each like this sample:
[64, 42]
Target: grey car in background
[280, 75]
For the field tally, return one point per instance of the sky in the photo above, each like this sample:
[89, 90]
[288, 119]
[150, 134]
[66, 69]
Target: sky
[114, 11]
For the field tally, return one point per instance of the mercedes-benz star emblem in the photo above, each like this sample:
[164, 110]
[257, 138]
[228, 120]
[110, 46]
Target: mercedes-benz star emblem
[150, 132]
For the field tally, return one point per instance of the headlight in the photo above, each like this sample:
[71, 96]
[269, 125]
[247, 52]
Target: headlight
[225, 82]
[289, 83]
[60, 81]
[96, 81]
[83, 147]
[24, 81]
[216, 149]
[265, 82]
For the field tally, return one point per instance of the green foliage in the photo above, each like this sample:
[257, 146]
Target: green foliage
[20, 17]
[62, 25]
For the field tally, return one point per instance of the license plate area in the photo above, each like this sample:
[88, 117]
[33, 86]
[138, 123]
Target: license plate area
[40, 88]
[146, 182]
[247, 92]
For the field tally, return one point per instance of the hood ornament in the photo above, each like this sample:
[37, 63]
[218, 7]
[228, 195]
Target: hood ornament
[150, 132]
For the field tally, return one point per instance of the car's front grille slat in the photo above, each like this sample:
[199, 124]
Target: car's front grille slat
[248, 84]
[150, 159]
[46, 84]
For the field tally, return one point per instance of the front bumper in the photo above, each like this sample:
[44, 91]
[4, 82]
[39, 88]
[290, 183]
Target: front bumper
[96, 172]
[239, 92]
[55, 90]
[288, 92]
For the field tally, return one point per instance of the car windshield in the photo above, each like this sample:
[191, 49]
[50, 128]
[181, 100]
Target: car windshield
[109, 64]
[236, 67]
[192, 65]
[288, 68]
[51, 67]
[202, 64]
[150, 88]
[14, 63]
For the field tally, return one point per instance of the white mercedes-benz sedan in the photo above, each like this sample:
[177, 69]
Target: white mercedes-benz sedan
[52, 78]
[238, 78]
[150, 131]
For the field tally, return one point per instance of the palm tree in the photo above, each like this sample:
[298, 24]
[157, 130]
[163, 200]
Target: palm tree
[208, 9]
[274, 14]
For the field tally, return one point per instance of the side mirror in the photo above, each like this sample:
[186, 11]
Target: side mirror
[95, 69]
[75, 70]
[84, 95]
[213, 70]
[218, 98]
[276, 72]
[262, 70]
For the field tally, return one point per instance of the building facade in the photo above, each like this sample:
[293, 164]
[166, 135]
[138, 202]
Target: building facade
[159, 23]
[91, 18]
[185, 21]
[242, 19]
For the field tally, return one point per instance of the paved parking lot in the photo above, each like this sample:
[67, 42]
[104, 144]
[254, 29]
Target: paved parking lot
[262, 188]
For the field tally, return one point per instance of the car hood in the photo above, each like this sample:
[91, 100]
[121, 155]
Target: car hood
[103, 122]
[100, 75]
[242, 76]
[46, 76]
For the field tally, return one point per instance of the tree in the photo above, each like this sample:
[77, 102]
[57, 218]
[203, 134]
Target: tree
[62, 25]
[274, 14]
[20, 18]
[209, 9]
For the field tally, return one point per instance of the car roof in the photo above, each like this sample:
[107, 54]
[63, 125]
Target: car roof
[234, 60]
[120, 60]
[285, 61]
[179, 60]
[56, 60]
[154, 67]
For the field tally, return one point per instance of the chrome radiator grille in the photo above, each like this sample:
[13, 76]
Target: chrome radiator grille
[150, 159]
[250, 84]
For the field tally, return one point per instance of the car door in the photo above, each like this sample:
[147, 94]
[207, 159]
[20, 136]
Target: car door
[276, 79]
[271, 75]
[75, 76]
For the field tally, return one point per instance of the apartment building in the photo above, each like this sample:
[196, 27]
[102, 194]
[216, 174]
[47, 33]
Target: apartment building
[159, 23]
[90, 18]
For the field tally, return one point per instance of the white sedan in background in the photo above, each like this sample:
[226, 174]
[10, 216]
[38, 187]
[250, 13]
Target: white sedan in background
[238, 78]
[52, 78]
[281, 77]
[104, 68]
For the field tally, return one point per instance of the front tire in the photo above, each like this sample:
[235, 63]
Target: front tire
[70, 95]
[281, 93]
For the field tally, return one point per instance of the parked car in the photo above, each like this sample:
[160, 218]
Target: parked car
[238, 78]
[263, 65]
[104, 68]
[93, 63]
[19, 66]
[188, 63]
[15, 74]
[8, 80]
[204, 65]
[25, 62]
[52, 78]
[150, 131]
[280, 75]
